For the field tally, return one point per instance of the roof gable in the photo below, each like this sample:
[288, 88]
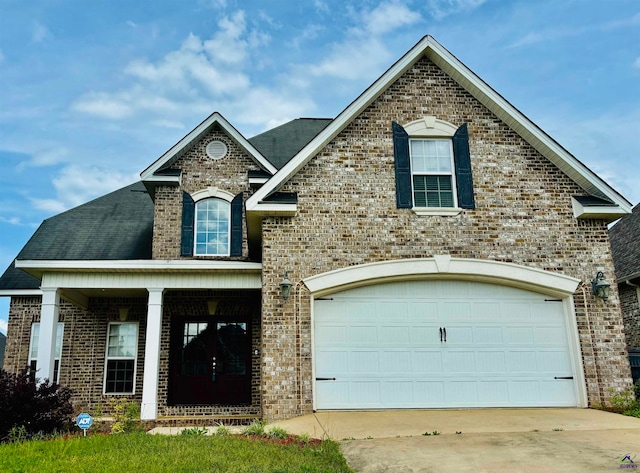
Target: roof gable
[512, 117]
[156, 172]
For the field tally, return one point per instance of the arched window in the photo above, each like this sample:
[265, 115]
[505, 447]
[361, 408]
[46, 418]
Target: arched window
[212, 227]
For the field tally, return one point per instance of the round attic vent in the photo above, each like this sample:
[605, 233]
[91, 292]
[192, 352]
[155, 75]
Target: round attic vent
[216, 149]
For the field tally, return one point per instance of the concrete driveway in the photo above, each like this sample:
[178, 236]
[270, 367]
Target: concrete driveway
[491, 440]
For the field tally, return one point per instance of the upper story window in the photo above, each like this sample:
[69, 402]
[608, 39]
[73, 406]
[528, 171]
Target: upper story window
[433, 167]
[212, 227]
[432, 173]
[211, 223]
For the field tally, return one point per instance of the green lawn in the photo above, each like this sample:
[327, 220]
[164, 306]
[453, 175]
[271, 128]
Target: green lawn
[140, 452]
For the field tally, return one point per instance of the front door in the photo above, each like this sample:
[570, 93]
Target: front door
[211, 361]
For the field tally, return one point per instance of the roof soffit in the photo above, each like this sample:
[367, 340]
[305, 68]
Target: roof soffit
[512, 117]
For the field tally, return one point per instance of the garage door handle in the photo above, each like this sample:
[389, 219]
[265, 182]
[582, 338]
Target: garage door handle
[325, 379]
[440, 334]
[563, 377]
[445, 334]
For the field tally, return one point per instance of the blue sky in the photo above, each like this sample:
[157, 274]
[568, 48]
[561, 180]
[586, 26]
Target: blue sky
[92, 92]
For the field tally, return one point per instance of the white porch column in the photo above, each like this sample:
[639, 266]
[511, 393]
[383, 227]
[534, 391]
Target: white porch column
[149, 408]
[48, 330]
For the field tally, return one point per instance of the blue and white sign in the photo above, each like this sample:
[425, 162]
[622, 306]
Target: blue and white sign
[84, 421]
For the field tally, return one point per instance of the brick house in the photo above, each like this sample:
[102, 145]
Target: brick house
[439, 245]
[625, 246]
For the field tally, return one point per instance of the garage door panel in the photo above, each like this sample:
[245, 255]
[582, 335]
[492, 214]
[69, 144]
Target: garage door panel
[364, 362]
[455, 311]
[362, 335]
[429, 393]
[398, 362]
[427, 362]
[461, 393]
[504, 348]
[459, 362]
[494, 393]
[553, 335]
[522, 362]
[331, 335]
[458, 335]
[365, 393]
[488, 336]
[425, 335]
[518, 335]
[397, 335]
[424, 311]
[491, 362]
[397, 393]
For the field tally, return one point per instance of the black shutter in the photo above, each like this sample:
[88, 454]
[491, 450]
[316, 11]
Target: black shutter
[188, 217]
[236, 226]
[403, 167]
[462, 160]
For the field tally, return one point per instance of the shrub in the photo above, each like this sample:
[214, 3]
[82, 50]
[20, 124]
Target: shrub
[255, 429]
[126, 415]
[194, 432]
[222, 431]
[31, 407]
[278, 433]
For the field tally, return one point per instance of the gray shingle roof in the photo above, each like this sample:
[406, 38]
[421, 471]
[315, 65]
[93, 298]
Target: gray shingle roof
[117, 226]
[282, 143]
[625, 246]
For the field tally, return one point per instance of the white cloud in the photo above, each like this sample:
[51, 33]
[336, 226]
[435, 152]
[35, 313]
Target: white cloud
[440, 9]
[388, 16]
[39, 32]
[321, 6]
[363, 53]
[132, 24]
[76, 184]
[11, 220]
[3, 326]
[636, 63]
[103, 105]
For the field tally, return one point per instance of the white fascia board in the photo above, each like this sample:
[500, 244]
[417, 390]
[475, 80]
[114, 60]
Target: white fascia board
[164, 179]
[604, 212]
[20, 292]
[529, 131]
[265, 209]
[196, 133]
[38, 267]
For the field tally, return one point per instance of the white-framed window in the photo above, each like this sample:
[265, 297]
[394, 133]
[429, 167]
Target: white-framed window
[432, 173]
[33, 351]
[212, 227]
[121, 358]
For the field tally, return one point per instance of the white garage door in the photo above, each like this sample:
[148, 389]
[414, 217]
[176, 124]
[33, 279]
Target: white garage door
[421, 344]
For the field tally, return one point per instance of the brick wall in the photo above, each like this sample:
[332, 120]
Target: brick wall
[83, 346]
[629, 296]
[347, 215]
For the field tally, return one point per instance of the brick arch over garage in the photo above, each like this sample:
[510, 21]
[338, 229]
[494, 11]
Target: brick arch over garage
[443, 267]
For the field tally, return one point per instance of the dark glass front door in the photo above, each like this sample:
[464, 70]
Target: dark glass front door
[211, 361]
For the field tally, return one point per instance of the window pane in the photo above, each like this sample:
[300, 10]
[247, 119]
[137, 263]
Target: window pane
[35, 338]
[119, 376]
[212, 227]
[122, 340]
[432, 191]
